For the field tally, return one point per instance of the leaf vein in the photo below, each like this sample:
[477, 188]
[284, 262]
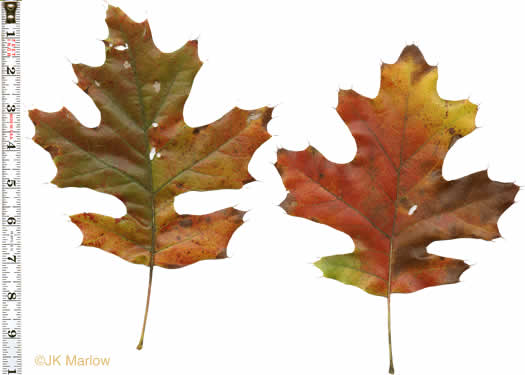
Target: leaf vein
[112, 167]
[346, 204]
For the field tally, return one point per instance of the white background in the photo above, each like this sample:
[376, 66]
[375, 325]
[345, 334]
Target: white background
[266, 310]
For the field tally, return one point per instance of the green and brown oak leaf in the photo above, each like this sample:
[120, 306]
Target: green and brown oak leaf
[144, 153]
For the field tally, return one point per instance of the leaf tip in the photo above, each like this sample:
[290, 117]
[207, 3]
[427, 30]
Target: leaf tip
[462, 267]
[113, 11]
[319, 264]
[34, 114]
[193, 47]
[193, 43]
[223, 254]
[115, 15]
[412, 52]
[288, 203]
[265, 113]
[413, 59]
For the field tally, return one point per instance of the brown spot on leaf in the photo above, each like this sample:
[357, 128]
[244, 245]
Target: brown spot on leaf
[53, 150]
[453, 140]
[413, 53]
[404, 202]
[222, 254]
[186, 223]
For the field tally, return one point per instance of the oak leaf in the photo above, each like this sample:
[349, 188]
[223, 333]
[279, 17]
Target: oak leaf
[144, 154]
[392, 198]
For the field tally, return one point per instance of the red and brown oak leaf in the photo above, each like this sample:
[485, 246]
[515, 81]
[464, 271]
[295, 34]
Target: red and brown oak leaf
[392, 198]
[144, 154]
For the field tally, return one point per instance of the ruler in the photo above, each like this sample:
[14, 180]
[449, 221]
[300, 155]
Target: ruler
[11, 191]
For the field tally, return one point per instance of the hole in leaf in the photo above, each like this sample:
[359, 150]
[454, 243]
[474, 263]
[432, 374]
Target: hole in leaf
[122, 48]
[152, 153]
[205, 202]
[156, 86]
[412, 209]
[254, 116]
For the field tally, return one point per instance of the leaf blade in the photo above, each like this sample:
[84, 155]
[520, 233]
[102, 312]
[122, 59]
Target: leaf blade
[137, 86]
[402, 138]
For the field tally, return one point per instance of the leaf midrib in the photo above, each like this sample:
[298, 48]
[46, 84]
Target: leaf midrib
[149, 162]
